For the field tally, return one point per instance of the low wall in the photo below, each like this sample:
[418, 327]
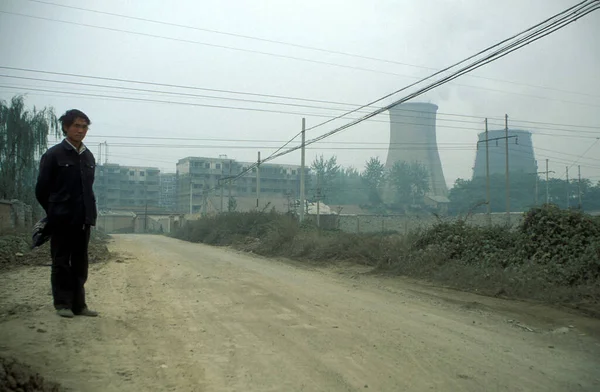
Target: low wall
[15, 214]
[6, 221]
[405, 224]
[116, 223]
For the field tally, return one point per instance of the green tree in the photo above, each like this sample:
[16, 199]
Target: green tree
[347, 188]
[590, 196]
[470, 195]
[374, 180]
[23, 139]
[327, 172]
[410, 182]
[231, 204]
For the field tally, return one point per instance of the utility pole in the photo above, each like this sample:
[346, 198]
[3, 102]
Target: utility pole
[302, 165]
[105, 152]
[568, 196]
[222, 195]
[229, 192]
[487, 174]
[146, 209]
[258, 182]
[507, 172]
[204, 198]
[318, 200]
[579, 186]
[537, 180]
[191, 194]
[547, 188]
[221, 185]
[487, 169]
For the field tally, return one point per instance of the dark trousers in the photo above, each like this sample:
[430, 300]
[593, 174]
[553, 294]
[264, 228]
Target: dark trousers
[69, 249]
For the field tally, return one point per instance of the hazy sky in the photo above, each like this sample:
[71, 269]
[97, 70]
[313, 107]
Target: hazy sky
[555, 80]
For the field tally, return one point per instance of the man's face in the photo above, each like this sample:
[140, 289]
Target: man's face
[77, 131]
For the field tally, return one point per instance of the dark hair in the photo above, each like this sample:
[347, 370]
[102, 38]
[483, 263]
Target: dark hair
[70, 116]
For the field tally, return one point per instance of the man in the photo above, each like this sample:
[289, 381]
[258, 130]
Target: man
[64, 190]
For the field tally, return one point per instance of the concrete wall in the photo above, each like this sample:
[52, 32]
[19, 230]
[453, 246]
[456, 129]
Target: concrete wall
[15, 215]
[6, 221]
[116, 223]
[404, 224]
[158, 223]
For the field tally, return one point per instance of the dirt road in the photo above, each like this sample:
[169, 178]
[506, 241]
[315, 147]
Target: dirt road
[177, 316]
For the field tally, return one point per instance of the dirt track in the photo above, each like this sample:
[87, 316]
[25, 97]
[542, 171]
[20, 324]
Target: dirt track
[177, 316]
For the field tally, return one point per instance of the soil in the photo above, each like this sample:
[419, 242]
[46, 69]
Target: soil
[178, 316]
[17, 377]
[15, 251]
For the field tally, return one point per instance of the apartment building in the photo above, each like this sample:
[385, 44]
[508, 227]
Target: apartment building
[167, 199]
[200, 177]
[127, 187]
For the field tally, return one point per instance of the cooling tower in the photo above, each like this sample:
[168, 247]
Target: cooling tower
[520, 153]
[413, 139]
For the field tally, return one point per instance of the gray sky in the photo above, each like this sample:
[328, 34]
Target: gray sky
[422, 33]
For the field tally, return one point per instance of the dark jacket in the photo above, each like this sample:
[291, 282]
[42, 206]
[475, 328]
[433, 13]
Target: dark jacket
[64, 186]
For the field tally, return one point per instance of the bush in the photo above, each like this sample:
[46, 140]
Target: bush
[565, 242]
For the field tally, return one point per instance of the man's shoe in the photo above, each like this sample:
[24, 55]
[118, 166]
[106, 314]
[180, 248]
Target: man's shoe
[87, 312]
[68, 313]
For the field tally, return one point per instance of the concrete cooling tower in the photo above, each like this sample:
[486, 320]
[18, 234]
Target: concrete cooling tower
[413, 139]
[520, 153]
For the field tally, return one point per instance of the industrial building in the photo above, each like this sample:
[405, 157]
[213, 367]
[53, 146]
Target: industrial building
[413, 127]
[521, 157]
[126, 187]
[199, 177]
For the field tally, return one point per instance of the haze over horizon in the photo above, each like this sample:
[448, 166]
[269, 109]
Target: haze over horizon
[553, 81]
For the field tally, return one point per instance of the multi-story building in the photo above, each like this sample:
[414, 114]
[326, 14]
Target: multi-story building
[199, 176]
[167, 198]
[126, 187]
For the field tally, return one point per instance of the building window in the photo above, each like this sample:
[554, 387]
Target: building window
[142, 174]
[218, 166]
[131, 173]
[207, 165]
[293, 172]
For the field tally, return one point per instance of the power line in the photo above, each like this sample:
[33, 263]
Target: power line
[199, 95]
[585, 152]
[149, 100]
[278, 55]
[491, 118]
[263, 140]
[297, 45]
[582, 10]
[211, 89]
[402, 147]
[100, 96]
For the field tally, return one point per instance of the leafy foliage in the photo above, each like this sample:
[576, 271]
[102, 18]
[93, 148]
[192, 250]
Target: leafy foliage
[410, 182]
[374, 179]
[326, 171]
[231, 204]
[467, 193]
[23, 139]
[566, 243]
